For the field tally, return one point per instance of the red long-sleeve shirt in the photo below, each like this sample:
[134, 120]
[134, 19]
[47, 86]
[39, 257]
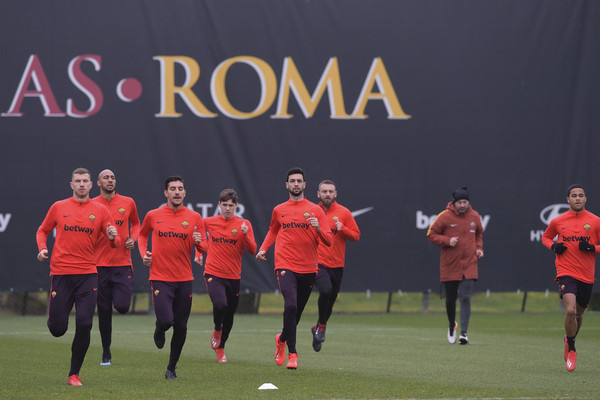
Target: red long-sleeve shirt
[124, 212]
[572, 228]
[226, 244]
[296, 241]
[79, 226]
[172, 242]
[335, 256]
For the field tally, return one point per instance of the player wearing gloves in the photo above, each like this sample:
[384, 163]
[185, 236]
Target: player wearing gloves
[577, 232]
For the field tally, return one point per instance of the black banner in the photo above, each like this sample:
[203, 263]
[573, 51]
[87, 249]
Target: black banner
[397, 102]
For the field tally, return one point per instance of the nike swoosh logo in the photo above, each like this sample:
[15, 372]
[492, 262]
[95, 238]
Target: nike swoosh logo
[453, 225]
[362, 211]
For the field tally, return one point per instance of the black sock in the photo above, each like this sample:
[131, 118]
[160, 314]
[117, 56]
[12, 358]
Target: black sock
[571, 343]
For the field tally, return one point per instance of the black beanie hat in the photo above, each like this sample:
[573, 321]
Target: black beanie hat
[460, 194]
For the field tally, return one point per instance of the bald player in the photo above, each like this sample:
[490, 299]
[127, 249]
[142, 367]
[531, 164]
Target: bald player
[115, 270]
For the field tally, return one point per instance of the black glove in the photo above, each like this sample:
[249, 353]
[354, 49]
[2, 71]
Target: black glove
[586, 246]
[559, 248]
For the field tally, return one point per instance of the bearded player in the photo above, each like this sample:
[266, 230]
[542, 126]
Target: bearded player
[296, 231]
[331, 259]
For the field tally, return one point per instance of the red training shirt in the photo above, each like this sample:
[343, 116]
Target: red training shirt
[572, 228]
[335, 256]
[79, 226]
[124, 212]
[296, 241]
[172, 242]
[226, 244]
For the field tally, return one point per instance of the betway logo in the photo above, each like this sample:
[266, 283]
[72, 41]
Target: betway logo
[77, 228]
[377, 86]
[425, 221]
[290, 225]
[172, 234]
[223, 240]
[547, 215]
[576, 238]
[4, 219]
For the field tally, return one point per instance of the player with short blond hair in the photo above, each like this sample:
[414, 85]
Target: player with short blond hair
[80, 223]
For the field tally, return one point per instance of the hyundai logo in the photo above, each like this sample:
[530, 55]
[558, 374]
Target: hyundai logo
[553, 211]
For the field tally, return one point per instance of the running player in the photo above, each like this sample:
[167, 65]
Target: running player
[227, 236]
[80, 223]
[459, 233]
[176, 231]
[296, 230]
[331, 259]
[115, 271]
[578, 233]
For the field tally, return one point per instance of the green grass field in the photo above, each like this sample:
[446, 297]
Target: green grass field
[366, 355]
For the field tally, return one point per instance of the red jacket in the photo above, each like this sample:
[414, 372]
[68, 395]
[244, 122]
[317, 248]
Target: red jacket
[460, 261]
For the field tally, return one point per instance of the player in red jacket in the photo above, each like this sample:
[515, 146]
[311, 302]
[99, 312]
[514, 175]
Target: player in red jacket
[115, 270]
[296, 230]
[80, 223]
[228, 236]
[577, 232]
[459, 233]
[331, 259]
[176, 231]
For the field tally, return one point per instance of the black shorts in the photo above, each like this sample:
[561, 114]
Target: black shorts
[581, 290]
